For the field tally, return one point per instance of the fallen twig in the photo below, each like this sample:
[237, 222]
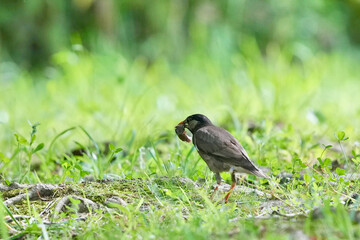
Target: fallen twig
[83, 207]
[34, 193]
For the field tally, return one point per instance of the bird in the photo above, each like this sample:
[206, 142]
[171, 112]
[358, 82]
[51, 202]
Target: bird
[220, 150]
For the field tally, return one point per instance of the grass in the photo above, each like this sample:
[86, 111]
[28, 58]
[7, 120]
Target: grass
[123, 114]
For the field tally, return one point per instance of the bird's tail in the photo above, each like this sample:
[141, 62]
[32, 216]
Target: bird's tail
[260, 173]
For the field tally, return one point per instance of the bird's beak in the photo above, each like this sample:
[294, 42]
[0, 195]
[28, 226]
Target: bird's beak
[183, 123]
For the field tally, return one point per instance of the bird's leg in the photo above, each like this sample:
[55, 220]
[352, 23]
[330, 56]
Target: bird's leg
[218, 181]
[233, 179]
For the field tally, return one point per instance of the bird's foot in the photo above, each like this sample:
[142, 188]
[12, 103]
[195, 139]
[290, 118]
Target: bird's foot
[226, 199]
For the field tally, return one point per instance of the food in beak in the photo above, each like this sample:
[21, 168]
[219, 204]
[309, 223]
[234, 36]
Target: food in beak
[180, 131]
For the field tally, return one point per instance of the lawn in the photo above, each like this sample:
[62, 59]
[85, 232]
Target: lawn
[88, 148]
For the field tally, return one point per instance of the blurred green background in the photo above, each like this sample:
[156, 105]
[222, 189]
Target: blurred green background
[128, 71]
[32, 31]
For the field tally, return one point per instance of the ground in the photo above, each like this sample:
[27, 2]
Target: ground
[90, 153]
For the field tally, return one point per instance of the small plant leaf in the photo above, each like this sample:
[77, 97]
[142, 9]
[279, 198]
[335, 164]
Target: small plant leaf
[356, 160]
[111, 147]
[74, 201]
[78, 166]
[320, 161]
[3, 158]
[118, 150]
[307, 179]
[83, 173]
[340, 135]
[114, 149]
[33, 137]
[341, 179]
[327, 162]
[340, 171]
[20, 139]
[38, 147]
[66, 165]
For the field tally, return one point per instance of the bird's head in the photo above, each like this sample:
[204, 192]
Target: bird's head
[195, 122]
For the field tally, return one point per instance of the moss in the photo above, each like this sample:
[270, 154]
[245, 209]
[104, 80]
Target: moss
[22, 207]
[12, 193]
[152, 192]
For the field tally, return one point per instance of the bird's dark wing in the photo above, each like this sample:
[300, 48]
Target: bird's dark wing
[221, 145]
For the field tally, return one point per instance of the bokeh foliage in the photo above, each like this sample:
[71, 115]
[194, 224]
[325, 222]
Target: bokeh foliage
[32, 31]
